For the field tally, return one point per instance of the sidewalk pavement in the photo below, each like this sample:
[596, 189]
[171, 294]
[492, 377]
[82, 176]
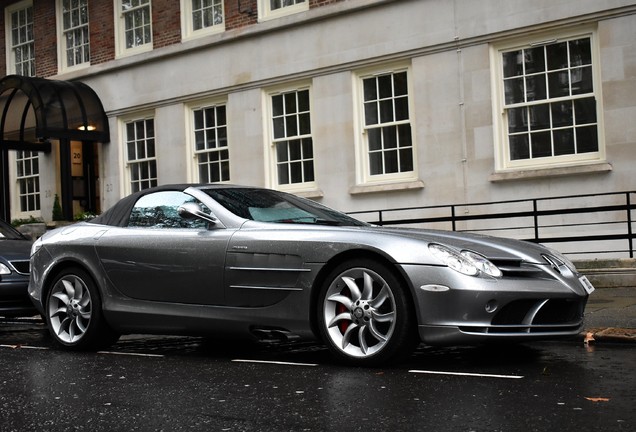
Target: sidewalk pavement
[610, 315]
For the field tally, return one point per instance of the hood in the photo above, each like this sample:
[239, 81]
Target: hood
[493, 248]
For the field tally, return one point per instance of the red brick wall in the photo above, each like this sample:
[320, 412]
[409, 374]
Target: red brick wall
[166, 23]
[45, 38]
[101, 24]
[234, 18]
[166, 26]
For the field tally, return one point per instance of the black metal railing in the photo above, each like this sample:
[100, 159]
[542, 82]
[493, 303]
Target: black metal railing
[582, 225]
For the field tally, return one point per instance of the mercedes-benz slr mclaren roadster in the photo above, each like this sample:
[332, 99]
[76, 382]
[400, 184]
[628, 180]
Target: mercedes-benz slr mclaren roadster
[241, 262]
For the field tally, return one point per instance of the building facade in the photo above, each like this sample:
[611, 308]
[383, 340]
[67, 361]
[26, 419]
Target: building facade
[359, 104]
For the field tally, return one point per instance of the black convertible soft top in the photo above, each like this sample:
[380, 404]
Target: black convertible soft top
[119, 214]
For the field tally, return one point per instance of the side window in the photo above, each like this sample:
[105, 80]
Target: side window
[161, 210]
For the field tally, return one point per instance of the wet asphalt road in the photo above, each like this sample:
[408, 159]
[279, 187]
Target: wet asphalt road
[191, 384]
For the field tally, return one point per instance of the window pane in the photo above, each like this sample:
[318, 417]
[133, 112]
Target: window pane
[563, 142]
[582, 81]
[585, 111]
[308, 150]
[517, 120]
[291, 125]
[562, 114]
[580, 52]
[391, 162]
[559, 84]
[519, 147]
[290, 103]
[283, 175]
[557, 55]
[281, 152]
[539, 117]
[294, 150]
[587, 139]
[514, 91]
[535, 88]
[400, 84]
[534, 60]
[375, 139]
[375, 163]
[385, 86]
[279, 127]
[308, 169]
[406, 160]
[390, 137]
[404, 135]
[541, 144]
[370, 91]
[305, 124]
[303, 101]
[386, 111]
[371, 113]
[401, 108]
[512, 64]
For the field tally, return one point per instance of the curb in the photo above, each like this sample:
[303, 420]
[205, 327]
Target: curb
[608, 334]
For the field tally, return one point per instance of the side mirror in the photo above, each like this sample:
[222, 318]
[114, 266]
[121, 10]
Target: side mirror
[193, 210]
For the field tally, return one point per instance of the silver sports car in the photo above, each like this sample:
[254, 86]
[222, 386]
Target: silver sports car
[241, 262]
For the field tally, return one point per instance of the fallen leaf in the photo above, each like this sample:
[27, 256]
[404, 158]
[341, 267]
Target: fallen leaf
[589, 337]
[597, 399]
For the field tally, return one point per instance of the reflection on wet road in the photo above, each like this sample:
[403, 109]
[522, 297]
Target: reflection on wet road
[188, 383]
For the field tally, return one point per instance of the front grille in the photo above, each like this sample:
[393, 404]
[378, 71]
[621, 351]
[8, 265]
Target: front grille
[518, 269]
[22, 267]
[537, 315]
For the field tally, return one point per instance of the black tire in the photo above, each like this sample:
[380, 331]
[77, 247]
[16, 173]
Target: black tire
[74, 312]
[365, 315]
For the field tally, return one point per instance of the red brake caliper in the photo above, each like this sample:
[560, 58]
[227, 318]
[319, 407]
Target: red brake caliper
[340, 308]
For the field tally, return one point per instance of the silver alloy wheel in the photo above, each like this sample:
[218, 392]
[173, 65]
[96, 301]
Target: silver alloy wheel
[70, 308]
[359, 312]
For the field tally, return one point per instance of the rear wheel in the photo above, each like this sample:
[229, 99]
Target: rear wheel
[73, 312]
[364, 314]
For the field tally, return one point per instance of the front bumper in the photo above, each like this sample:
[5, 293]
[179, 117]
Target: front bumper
[14, 299]
[454, 309]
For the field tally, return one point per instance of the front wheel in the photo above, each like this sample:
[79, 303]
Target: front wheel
[364, 314]
[73, 312]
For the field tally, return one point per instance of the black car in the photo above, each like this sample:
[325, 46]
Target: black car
[14, 273]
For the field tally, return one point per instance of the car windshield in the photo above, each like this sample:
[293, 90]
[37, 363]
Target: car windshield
[264, 205]
[7, 232]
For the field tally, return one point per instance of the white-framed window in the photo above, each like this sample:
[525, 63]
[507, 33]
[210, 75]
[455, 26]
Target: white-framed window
[74, 46]
[20, 38]
[386, 149]
[291, 141]
[141, 157]
[202, 17]
[210, 143]
[270, 9]
[28, 181]
[547, 103]
[134, 26]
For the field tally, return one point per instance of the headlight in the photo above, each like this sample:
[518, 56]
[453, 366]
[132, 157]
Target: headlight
[466, 262]
[4, 270]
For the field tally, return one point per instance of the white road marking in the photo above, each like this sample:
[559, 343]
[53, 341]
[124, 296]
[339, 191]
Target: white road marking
[466, 374]
[274, 362]
[130, 354]
[23, 347]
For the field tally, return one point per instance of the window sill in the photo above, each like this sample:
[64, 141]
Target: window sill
[307, 193]
[600, 167]
[386, 187]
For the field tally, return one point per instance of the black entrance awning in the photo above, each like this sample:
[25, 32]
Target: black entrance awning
[33, 110]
